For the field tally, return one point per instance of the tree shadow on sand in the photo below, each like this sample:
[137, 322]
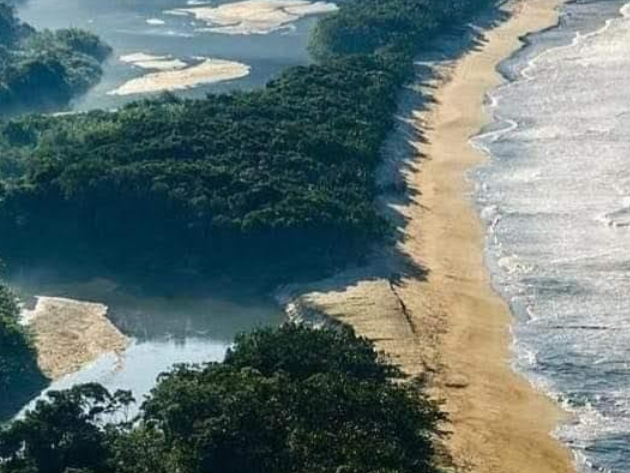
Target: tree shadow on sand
[403, 156]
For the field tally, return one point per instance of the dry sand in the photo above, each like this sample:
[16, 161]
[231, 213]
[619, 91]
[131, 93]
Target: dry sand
[452, 326]
[255, 16]
[70, 334]
[209, 71]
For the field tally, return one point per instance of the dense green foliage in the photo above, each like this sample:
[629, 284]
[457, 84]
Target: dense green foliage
[263, 183]
[19, 375]
[44, 69]
[281, 402]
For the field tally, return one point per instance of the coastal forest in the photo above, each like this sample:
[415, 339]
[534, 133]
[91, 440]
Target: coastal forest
[44, 69]
[266, 185]
[288, 400]
[269, 185]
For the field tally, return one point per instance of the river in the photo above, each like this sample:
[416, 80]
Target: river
[252, 41]
[166, 326]
[169, 37]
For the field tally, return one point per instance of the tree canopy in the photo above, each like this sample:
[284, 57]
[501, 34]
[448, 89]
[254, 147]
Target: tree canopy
[278, 403]
[43, 69]
[265, 184]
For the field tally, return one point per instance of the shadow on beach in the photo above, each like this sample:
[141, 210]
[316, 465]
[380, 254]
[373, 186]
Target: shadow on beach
[402, 156]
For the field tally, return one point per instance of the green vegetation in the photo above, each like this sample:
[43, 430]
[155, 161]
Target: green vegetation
[263, 184]
[20, 378]
[289, 400]
[44, 69]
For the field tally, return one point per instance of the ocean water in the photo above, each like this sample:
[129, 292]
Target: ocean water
[556, 199]
[145, 26]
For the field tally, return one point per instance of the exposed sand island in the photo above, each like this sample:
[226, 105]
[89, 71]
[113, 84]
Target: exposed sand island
[451, 326]
[70, 334]
[209, 71]
[255, 16]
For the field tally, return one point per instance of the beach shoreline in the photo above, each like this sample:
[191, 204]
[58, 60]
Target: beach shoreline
[449, 324]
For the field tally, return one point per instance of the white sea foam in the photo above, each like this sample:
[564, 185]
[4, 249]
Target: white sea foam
[514, 264]
[155, 21]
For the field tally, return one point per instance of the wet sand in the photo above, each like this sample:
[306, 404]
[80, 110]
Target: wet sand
[451, 326]
[70, 334]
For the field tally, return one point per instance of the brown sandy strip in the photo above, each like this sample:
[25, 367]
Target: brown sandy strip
[453, 326]
[70, 334]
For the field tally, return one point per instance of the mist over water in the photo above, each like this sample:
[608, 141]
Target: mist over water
[556, 198]
[166, 327]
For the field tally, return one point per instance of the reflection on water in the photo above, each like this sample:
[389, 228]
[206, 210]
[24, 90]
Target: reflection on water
[141, 26]
[166, 329]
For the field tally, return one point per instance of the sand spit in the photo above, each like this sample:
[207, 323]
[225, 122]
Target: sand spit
[449, 324]
[70, 334]
[255, 16]
[209, 71]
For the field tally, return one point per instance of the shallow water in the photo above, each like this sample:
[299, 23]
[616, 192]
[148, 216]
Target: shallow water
[556, 198]
[143, 26]
[166, 329]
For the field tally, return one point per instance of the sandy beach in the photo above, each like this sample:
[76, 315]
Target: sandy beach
[450, 325]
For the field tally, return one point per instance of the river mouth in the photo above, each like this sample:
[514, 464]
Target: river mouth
[165, 328]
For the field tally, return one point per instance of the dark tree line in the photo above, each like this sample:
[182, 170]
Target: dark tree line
[265, 184]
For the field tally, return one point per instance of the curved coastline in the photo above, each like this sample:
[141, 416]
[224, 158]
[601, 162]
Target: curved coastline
[451, 325]
[594, 426]
[500, 422]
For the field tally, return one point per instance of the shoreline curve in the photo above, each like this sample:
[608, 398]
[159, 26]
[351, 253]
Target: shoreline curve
[450, 325]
